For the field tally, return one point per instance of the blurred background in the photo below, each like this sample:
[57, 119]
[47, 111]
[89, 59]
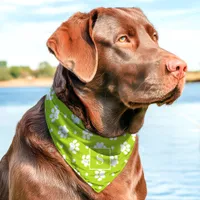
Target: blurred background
[170, 138]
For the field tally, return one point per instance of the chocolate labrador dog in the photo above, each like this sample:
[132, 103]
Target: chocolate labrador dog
[111, 69]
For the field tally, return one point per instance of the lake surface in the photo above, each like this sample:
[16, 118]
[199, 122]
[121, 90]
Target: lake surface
[169, 140]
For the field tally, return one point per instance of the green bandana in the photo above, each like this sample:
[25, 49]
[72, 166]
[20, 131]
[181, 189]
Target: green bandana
[97, 160]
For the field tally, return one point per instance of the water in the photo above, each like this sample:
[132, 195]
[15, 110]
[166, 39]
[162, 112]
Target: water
[169, 140]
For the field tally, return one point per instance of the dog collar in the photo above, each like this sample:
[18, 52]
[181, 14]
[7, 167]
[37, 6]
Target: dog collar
[97, 160]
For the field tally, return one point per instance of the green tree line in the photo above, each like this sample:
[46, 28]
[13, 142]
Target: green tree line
[13, 72]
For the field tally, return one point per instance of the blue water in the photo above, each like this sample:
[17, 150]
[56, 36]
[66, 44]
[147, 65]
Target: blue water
[169, 140]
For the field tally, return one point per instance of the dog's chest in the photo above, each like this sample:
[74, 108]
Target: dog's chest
[121, 189]
[119, 194]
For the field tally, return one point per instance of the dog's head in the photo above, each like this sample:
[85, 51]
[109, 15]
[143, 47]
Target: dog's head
[120, 67]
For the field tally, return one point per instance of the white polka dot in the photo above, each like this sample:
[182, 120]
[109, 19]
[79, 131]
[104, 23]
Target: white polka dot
[99, 187]
[125, 161]
[113, 174]
[86, 174]
[64, 156]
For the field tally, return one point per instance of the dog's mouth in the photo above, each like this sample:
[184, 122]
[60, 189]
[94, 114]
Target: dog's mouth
[170, 98]
[167, 99]
[133, 118]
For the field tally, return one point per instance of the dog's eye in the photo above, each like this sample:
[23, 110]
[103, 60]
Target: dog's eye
[123, 39]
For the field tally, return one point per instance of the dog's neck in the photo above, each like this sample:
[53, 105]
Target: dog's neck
[98, 114]
[64, 90]
[100, 111]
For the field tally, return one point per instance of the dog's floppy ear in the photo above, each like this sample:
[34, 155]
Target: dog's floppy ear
[73, 45]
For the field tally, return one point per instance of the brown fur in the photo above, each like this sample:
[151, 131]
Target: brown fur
[109, 86]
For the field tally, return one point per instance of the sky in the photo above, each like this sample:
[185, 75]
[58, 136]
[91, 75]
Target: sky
[25, 26]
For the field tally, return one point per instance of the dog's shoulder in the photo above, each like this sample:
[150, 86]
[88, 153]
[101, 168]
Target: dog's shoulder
[32, 135]
[33, 159]
[4, 166]
[33, 120]
[30, 128]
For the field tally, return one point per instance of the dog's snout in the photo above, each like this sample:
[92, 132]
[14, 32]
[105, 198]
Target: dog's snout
[176, 67]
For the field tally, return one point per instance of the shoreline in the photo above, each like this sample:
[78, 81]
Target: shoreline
[193, 76]
[36, 82]
[47, 82]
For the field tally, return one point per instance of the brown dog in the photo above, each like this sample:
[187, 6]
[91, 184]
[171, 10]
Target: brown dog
[111, 69]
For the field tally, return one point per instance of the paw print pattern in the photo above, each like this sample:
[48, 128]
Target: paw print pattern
[87, 135]
[74, 146]
[114, 160]
[54, 114]
[125, 148]
[63, 131]
[85, 160]
[100, 174]
[100, 145]
[75, 119]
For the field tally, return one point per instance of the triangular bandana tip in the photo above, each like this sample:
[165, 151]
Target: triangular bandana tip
[97, 160]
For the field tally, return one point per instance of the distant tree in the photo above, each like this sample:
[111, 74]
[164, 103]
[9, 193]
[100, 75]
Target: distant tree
[20, 71]
[25, 71]
[45, 70]
[15, 71]
[3, 63]
[4, 74]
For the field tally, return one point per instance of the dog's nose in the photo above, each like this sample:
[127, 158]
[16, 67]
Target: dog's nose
[177, 67]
